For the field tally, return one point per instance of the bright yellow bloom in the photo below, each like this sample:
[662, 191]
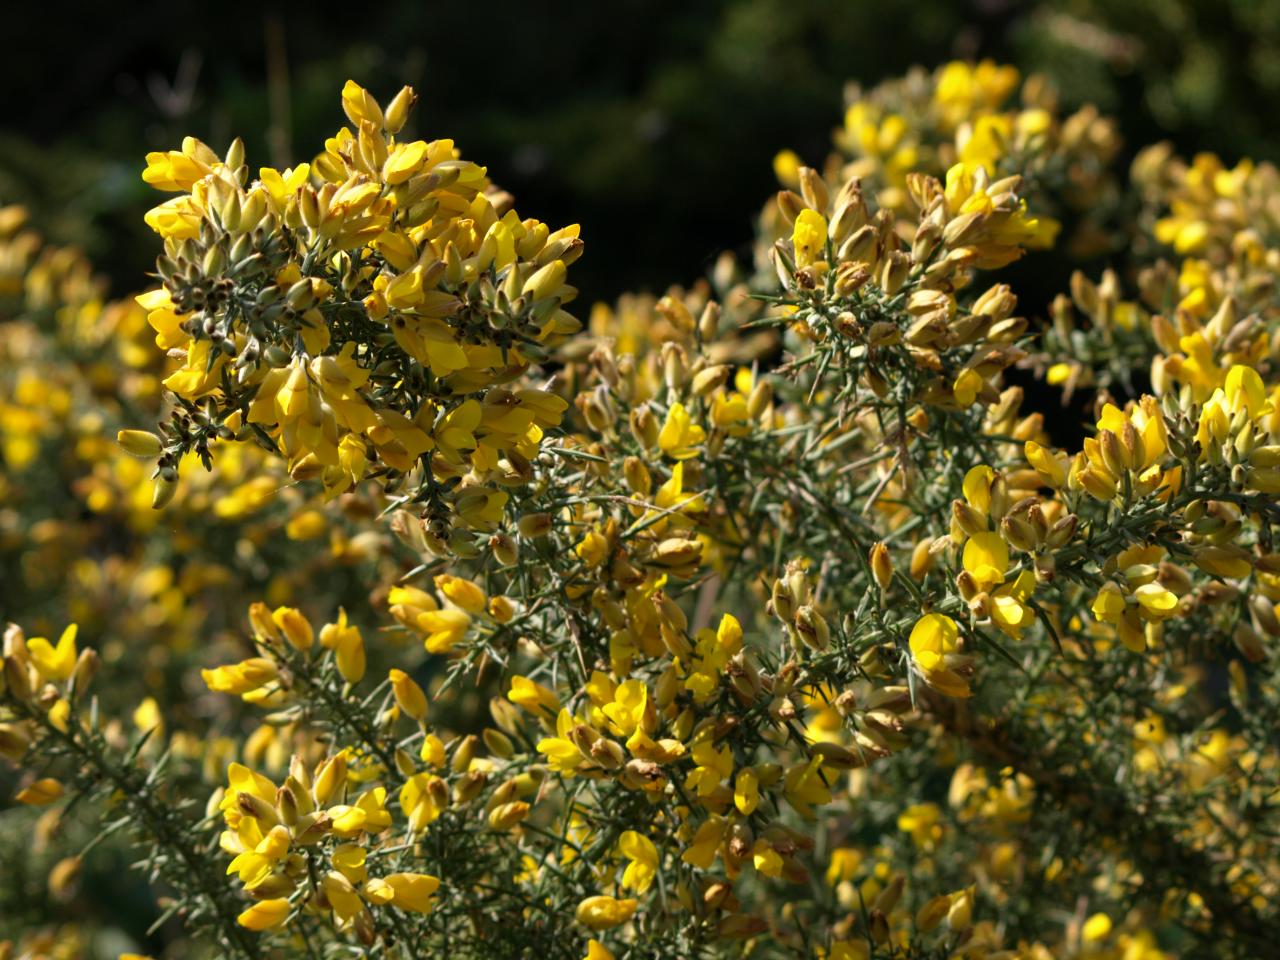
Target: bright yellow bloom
[680, 437]
[934, 648]
[986, 557]
[643, 857]
[265, 914]
[54, 664]
[602, 913]
[809, 237]
[413, 891]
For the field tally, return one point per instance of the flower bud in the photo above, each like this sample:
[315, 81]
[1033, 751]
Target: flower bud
[398, 110]
[140, 443]
[881, 565]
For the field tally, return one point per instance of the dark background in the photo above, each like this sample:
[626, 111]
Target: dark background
[653, 124]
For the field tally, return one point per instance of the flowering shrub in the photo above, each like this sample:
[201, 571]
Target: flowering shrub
[758, 619]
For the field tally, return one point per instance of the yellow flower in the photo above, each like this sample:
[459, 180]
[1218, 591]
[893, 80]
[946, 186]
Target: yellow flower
[934, 649]
[806, 785]
[766, 859]
[419, 800]
[702, 851]
[533, 696]
[592, 549]
[1051, 465]
[54, 664]
[602, 912]
[465, 594]
[986, 557]
[643, 857]
[347, 645]
[680, 437]
[413, 891]
[628, 707]
[1096, 928]
[843, 865]
[967, 386]
[809, 237]
[265, 914]
[712, 767]
[746, 792]
[921, 821]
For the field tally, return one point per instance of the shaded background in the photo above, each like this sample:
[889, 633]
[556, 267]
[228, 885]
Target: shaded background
[651, 122]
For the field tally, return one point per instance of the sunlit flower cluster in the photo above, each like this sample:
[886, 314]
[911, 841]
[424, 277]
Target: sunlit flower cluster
[755, 618]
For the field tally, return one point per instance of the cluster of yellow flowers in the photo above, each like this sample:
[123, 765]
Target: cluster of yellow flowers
[356, 313]
[962, 113]
[753, 619]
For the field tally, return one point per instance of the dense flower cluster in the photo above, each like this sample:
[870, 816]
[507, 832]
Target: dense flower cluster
[755, 619]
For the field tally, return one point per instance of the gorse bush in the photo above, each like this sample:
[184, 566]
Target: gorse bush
[755, 620]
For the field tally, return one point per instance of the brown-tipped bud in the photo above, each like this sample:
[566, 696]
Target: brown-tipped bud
[16, 678]
[812, 628]
[254, 806]
[163, 490]
[881, 565]
[890, 895]
[860, 246]
[438, 790]
[1019, 533]
[644, 426]
[608, 753]
[851, 276]
[789, 205]
[85, 670]
[1061, 533]
[760, 399]
[709, 322]
[782, 602]
[287, 806]
[534, 525]
[583, 737]
[967, 518]
[505, 550]
[814, 189]
[1264, 613]
[1249, 643]
[932, 913]
[498, 743]
[14, 741]
[465, 753]
[637, 476]
[710, 379]
[506, 816]
[468, 786]
[1112, 453]
[842, 758]
[398, 110]
[922, 558]
[675, 365]
[744, 677]
[893, 273]
[878, 926]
